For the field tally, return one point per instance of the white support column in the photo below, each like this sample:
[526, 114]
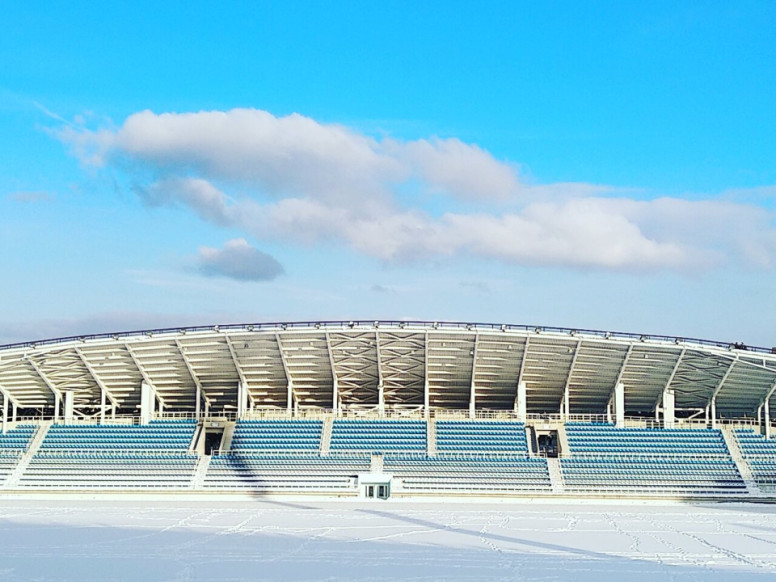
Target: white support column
[194, 378]
[426, 387]
[619, 405]
[713, 405]
[380, 383]
[668, 408]
[147, 402]
[521, 381]
[154, 395]
[5, 414]
[69, 406]
[522, 401]
[566, 402]
[289, 382]
[334, 381]
[767, 415]
[242, 399]
[473, 384]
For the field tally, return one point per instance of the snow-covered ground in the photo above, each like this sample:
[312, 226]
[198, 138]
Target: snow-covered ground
[203, 539]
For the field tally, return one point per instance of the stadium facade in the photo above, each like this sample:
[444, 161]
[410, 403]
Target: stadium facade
[381, 408]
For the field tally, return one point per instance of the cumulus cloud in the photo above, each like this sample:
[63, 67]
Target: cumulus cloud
[296, 179]
[238, 260]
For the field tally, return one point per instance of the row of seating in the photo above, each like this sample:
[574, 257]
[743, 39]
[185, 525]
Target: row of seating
[633, 460]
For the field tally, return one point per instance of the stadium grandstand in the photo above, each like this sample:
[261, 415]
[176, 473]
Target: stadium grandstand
[382, 409]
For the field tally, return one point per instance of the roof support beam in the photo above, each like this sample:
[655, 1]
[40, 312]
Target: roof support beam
[518, 403]
[243, 393]
[766, 405]
[659, 400]
[620, 374]
[289, 381]
[426, 387]
[473, 385]
[104, 392]
[565, 405]
[200, 394]
[713, 399]
[54, 390]
[144, 374]
[380, 383]
[334, 381]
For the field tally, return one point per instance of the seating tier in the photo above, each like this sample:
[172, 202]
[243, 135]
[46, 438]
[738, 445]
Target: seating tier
[760, 454]
[481, 436]
[635, 460]
[277, 435]
[378, 436]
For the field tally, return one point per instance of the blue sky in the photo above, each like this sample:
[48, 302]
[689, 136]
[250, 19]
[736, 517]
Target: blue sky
[606, 165]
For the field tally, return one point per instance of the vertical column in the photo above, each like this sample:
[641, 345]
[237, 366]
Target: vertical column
[619, 405]
[522, 401]
[767, 417]
[425, 397]
[102, 406]
[146, 402]
[198, 402]
[69, 406]
[714, 412]
[668, 408]
[242, 399]
[57, 406]
[5, 413]
[381, 399]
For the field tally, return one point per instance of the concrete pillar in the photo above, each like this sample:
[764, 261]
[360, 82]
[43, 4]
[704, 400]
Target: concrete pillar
[472, 398]
[381, 399]
[668, 409]
[147, 398]
[242, 399]
[426, 398]
[335, 393]
[522, 401]
[714, 412]
[767, 417]
[5, 414]
[102, 406]
[619, 405]
[69, 406]
[198, 402]
[57, 406]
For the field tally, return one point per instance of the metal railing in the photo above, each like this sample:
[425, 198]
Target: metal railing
[391, 324]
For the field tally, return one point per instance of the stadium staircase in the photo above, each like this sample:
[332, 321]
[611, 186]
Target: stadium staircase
[759, 454]
[198, 481]
[431, 437]
[738, 458]
[556, 475]
[326, 436]
[12, 480]
[376, 465]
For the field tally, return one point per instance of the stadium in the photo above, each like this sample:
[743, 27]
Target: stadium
[389, 409]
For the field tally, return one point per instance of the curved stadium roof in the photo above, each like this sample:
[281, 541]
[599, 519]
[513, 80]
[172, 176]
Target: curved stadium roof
[399, 364]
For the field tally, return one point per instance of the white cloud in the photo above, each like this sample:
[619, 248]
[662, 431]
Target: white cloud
[238, 260]
[303, 181]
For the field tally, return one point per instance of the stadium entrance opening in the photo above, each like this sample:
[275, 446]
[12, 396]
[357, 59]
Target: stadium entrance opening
[547, 443]
[213, 439]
